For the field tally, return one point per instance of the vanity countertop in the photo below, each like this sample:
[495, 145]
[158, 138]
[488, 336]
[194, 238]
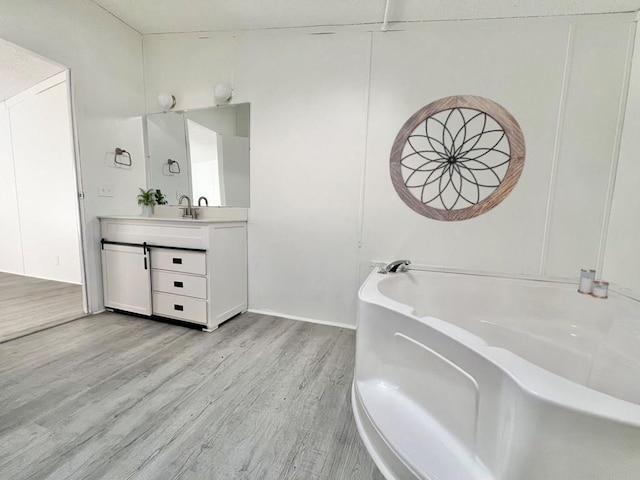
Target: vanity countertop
[169, 214]
[155, 218]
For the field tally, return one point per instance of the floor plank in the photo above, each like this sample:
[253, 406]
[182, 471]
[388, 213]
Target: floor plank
[29, 304]
[119, 397]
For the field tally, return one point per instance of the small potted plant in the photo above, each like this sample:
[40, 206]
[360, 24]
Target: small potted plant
[161, 199]
[146, 198]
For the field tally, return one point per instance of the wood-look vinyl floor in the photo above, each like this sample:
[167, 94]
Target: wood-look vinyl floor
[119, 397]
[30, 304]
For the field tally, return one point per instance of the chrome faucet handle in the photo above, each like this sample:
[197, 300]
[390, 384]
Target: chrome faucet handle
[397, 266]
[381, 266]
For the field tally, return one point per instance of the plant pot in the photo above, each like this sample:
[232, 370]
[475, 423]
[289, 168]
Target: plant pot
[147, 210]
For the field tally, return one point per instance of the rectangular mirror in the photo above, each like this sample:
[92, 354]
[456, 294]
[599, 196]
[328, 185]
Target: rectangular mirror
[200, 153]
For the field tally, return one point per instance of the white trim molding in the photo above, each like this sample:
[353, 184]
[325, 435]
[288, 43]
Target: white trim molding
[271, 313]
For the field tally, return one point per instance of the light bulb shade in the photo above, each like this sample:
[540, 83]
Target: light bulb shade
[166, 101]
[222, 92]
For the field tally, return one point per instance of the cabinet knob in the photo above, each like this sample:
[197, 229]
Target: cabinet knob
[178, 284]
[177, 261]
[180, 308]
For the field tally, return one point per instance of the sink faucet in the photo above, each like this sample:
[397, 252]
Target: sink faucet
[397, 266]
[206, 202]
[188, 210]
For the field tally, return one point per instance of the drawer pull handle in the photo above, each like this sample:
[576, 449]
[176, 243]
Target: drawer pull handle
[177, 261]
[180, 308]
[178, 284]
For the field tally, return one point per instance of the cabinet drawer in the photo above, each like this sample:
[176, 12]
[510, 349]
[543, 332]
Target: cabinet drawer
[180, 308]
[179, 284]
[179, 261]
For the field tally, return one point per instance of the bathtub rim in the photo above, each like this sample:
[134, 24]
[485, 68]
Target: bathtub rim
[532, 379]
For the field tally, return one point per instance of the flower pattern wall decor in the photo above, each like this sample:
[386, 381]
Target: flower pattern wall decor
[457, 158]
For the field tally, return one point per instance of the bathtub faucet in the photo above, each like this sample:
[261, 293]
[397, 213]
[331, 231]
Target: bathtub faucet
[397, 266]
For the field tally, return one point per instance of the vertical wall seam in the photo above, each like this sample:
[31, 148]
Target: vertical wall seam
[145, 143]
[144, 76]
[363, 175]
[363, 172]
[615, 154]
[556, 149]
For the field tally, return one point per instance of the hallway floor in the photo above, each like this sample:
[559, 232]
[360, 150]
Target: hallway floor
[30, 304]
[120, 397]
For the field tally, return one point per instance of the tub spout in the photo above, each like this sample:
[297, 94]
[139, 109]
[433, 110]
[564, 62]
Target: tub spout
[397, 266]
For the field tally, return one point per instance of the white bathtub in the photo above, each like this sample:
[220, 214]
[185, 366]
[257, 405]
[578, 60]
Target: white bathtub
[471, 377]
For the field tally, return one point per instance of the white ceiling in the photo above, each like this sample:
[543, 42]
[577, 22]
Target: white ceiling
[21, 69]
[166, 16]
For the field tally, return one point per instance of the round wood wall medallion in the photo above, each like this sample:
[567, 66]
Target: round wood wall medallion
[457, 158]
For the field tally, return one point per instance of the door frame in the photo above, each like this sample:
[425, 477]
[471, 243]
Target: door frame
[80, 194]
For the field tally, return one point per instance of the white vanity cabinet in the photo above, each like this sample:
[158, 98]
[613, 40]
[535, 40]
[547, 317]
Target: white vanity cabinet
[179, 280]
[194, 271]
[125, 278]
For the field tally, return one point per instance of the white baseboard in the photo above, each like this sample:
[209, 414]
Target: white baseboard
[302, 319]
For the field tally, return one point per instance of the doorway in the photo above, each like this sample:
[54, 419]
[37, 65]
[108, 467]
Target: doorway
[41, 262]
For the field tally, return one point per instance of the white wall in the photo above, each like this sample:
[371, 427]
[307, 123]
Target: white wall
[10, 241]
[563, 81]
[308, 100]
[46, 209]
[622, 262]
[326, 108]
[105, 58]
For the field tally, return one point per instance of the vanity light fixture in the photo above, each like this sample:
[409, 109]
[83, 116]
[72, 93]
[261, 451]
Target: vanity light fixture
[166, 101]
[222, 93]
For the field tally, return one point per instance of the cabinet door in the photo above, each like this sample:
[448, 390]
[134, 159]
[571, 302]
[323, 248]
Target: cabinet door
[126, 279]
